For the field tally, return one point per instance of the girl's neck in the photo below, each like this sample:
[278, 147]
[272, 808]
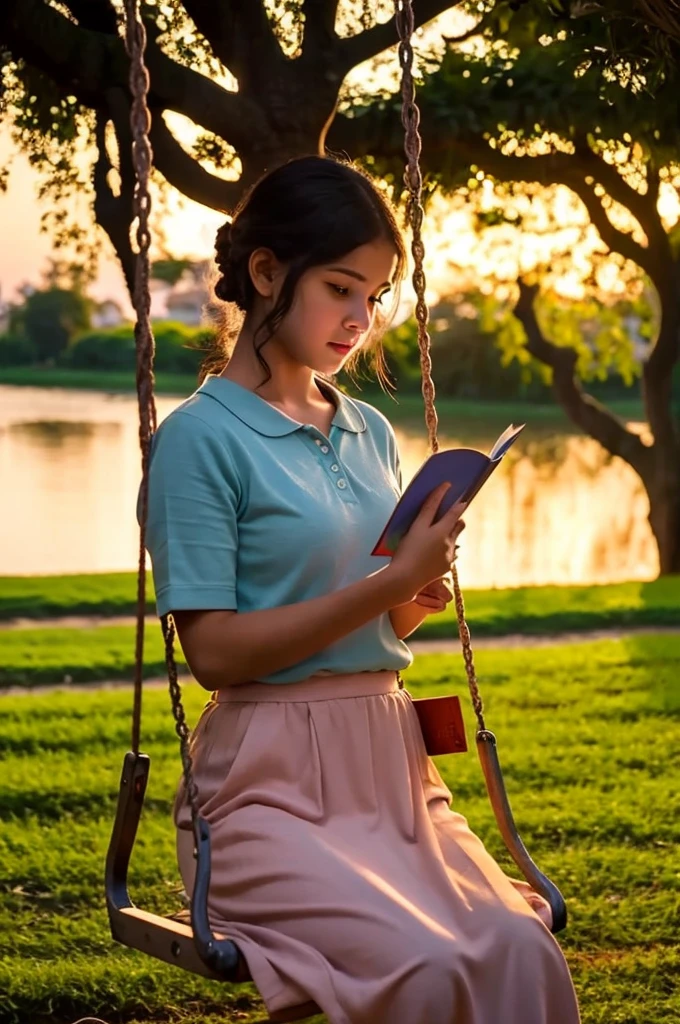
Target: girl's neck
[292, 386]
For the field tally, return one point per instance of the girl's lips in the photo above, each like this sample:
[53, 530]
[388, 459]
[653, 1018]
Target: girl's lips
[344, 349]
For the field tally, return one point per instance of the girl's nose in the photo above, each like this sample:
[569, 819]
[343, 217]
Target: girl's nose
[358, 319]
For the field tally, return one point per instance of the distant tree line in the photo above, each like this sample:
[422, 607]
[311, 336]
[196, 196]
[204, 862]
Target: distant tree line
[477, 345]
[53, 327]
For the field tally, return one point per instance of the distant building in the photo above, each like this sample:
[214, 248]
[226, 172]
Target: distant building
[107, 314]
[187, 305]
[641, 345]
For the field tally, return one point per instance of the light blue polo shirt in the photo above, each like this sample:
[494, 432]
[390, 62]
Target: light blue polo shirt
[250, 509]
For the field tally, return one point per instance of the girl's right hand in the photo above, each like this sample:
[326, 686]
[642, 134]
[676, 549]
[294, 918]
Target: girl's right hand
[426, 552]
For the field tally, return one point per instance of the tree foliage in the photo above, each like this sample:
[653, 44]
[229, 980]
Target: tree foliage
[50, 319]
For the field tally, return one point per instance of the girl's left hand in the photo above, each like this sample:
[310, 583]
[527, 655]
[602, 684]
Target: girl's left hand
[436, 595]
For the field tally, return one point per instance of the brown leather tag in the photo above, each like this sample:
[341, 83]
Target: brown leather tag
[441, 722]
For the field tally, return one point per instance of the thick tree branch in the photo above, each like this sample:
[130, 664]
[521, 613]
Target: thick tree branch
[569, 170]
[251, 16]
[212, 19]
[381, 133]
[615, 240]
[643, 205]
[186, 174]
[87, 63]
[114, 212]
[236, 30]
[97, 15]
[583, 410]
[320, 18]
[373, 41]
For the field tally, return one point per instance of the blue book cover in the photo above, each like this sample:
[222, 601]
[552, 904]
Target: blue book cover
[464, 468]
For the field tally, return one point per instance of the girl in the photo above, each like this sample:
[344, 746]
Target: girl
[338, 867]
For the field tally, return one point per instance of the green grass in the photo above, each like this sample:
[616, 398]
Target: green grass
[589, 738]
[485, 416]
[41, 655]
[407, 407]
[39, 597]
[93, 380]
[30, 657]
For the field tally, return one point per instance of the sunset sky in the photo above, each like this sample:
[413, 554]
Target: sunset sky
[25, 251]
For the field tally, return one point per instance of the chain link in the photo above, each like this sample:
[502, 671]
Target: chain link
[181, 727]
[410, 118]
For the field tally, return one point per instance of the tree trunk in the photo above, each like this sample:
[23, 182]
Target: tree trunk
[662, 481]
[664, 519]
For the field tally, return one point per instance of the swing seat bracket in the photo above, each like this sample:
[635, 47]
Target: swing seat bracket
[194, 947]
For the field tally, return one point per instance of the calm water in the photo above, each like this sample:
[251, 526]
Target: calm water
[556, 511]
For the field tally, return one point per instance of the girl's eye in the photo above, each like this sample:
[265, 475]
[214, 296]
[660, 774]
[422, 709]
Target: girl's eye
[341, 290]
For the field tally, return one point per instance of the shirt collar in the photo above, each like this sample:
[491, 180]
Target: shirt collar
[266, 419]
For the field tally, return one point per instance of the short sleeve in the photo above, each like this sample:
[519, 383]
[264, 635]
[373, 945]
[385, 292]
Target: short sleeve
[192, 524]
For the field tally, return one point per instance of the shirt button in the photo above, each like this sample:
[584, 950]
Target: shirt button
[317, 441]
[335, 467]
[325, 449]
[342, 483]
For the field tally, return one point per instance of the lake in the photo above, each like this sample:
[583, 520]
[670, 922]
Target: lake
[558, 509]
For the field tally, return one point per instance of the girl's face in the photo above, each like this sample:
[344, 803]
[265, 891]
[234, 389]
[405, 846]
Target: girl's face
[335, 305]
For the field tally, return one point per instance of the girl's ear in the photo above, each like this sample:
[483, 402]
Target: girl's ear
[265, 270]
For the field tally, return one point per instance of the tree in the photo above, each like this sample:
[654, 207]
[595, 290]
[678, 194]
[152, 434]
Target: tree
[50, 319]
[66, 74]
[539, 113]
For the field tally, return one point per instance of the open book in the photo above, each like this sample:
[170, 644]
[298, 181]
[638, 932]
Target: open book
[464, 468]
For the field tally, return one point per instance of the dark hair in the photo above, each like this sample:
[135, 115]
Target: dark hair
[309, 211]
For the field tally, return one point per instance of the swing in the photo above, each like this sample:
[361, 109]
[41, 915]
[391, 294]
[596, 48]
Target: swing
[193, 946]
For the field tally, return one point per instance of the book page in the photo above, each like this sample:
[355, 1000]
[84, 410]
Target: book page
[505, 440]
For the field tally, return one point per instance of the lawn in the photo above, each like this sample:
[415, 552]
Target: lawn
[589, 737]
[490, 612]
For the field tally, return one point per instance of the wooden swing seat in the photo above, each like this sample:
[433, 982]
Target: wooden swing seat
[174, 939]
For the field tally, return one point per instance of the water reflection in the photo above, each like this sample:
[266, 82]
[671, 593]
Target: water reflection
[60, 433]
[559, 509]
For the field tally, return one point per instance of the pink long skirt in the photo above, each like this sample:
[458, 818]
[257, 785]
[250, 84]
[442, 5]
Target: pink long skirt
[342, 873]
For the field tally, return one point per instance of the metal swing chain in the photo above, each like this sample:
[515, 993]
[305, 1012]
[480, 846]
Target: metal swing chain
[410, 117]
[135, 38]
[140, 121]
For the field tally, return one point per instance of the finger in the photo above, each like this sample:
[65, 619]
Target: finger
[432, 502]
[433, 606]
[453, 515]
[432, 588]
[457, 529]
